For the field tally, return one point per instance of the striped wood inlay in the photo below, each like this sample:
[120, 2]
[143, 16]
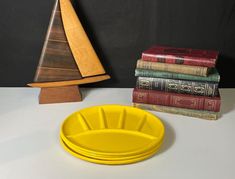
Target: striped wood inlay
[57, 62]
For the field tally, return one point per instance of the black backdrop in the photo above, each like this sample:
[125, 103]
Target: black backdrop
[119, 30]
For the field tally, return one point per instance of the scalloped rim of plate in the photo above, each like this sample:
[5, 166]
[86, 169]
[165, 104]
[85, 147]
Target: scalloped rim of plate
[76, 148]
[105, 162]
[113, 158]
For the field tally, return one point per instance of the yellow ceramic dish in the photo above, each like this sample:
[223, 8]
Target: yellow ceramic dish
[114, 158]
[105, 162]
[112, 130]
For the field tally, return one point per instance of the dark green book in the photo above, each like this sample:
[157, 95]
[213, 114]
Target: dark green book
[200, 88]
[212, 77]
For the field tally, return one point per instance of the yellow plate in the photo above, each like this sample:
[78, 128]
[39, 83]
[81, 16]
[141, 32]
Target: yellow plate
[105, 162]
[114, 158]
[106, 157]
[112, 130]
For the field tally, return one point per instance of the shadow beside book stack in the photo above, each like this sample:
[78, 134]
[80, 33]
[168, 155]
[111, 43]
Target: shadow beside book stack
[179, 81]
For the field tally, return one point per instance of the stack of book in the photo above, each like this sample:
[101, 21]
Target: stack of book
[178, 80]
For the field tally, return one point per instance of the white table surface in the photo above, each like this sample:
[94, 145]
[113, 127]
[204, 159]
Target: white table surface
[30, 149]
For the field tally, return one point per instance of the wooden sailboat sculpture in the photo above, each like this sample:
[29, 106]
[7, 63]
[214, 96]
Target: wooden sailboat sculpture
[68, 58]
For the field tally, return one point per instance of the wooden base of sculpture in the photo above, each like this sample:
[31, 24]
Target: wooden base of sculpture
[60, 94]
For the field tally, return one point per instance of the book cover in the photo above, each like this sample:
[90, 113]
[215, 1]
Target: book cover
[209, 115]
[212, 77]
[175, 68]
[186, 56]
[176, 100]
[178, 86]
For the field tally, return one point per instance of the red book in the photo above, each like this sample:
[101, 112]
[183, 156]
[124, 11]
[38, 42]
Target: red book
[193, 57]
[176, 100]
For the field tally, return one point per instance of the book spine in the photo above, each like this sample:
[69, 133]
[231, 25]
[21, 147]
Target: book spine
[175, 68]
[176, 100]
[209, 115]
[171, 59]
[178, 86]
[169, 75]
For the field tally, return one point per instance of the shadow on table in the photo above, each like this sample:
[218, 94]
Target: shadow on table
[85, 92]
[227, 101]
[17, 98]
[169, 138]
[24, 146]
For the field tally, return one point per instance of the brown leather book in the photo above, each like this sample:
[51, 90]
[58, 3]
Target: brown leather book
[177, 100]
[182, 56]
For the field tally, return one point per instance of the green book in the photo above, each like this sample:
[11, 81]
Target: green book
[212, 77]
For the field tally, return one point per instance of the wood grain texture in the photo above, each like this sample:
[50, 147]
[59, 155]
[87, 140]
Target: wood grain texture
[48, 74]
[81, 47]
[57, 62]
[71, 82]
[59, 95]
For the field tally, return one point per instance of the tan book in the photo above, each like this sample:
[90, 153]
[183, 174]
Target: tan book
[175, 68]
[209, 115]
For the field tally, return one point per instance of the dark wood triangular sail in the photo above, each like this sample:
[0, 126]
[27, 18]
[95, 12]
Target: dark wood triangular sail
[59, 94]
[57, 62]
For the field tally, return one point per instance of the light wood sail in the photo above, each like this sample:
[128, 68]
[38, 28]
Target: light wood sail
[81, 47]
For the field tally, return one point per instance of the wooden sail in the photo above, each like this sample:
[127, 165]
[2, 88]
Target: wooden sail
[57, 61]
[81, 47]
[68, 58]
